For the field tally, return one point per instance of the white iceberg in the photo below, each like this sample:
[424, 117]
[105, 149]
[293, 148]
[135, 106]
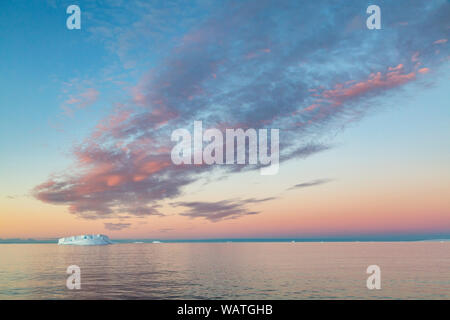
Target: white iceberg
[85, 240]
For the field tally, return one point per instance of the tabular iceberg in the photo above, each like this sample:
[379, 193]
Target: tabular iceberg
[86, 240]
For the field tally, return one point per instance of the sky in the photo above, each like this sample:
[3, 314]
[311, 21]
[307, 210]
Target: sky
[86, 117]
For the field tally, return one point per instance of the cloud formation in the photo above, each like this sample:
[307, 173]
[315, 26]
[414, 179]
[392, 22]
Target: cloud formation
[304, 67]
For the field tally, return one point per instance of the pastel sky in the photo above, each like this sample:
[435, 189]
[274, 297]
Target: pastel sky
[86, 117]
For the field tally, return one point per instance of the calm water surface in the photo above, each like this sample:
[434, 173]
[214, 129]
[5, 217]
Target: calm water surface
[227, 271]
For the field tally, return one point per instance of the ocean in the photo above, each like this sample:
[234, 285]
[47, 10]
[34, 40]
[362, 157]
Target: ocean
[220, 270]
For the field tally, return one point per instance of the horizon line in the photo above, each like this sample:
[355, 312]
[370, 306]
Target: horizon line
[275, 239]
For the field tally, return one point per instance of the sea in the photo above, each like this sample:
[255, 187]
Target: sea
[227, 270]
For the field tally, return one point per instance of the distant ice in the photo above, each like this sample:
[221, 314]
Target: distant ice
[85, 240]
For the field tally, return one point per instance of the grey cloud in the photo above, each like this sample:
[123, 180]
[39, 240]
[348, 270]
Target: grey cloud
[310, 184]
[220, 210]
[116, 226]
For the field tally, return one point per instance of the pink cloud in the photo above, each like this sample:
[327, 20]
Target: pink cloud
[88, 97]
[114, 180]
[80, 101]
[423, 70]
[440, 41]
[393, 78]
[312, 107]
